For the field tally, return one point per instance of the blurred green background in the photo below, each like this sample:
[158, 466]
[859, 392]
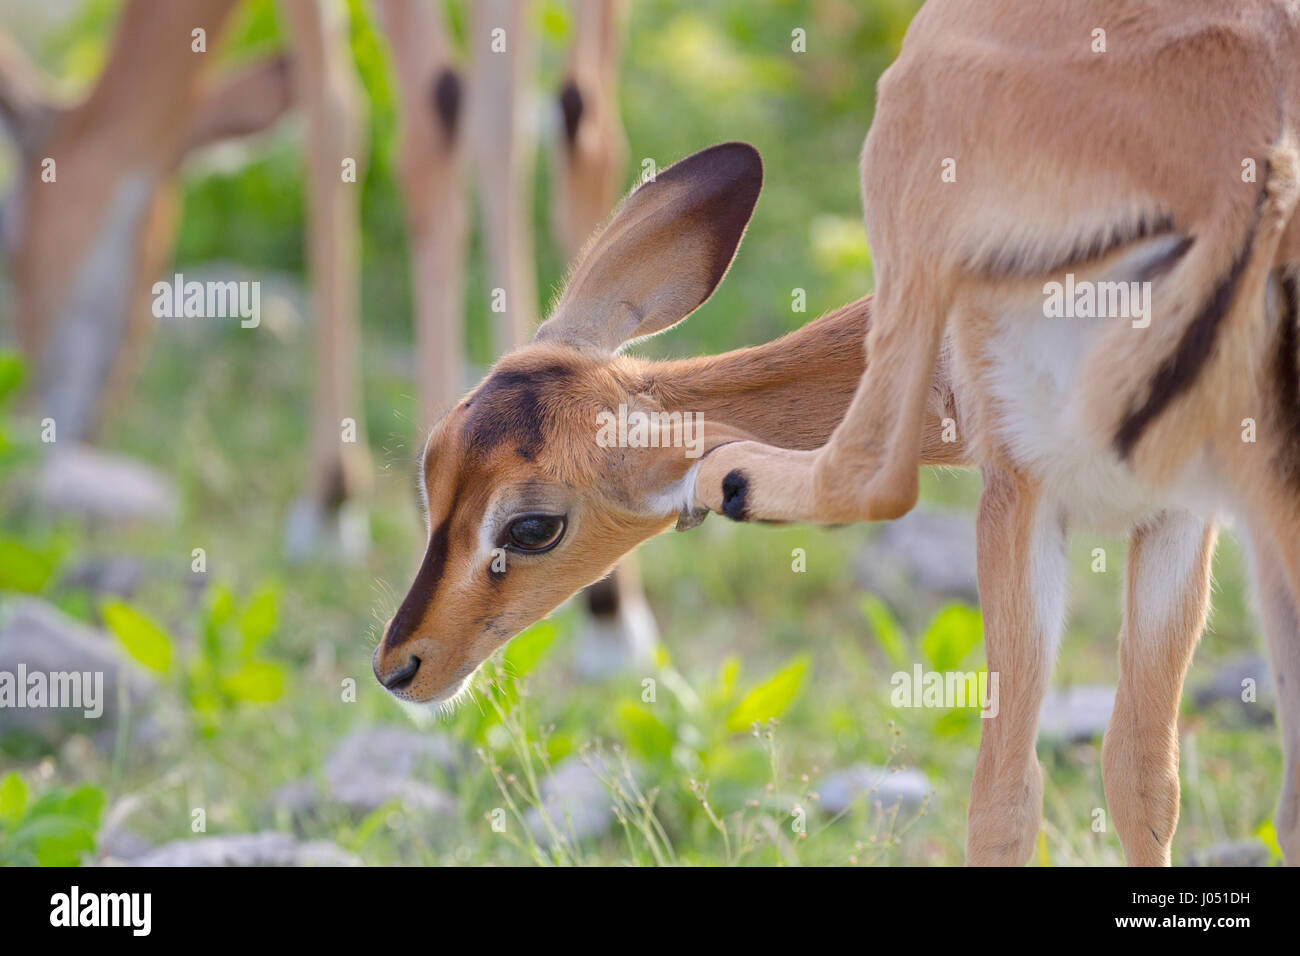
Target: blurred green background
[251, 664]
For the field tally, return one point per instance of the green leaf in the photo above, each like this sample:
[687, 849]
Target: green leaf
[645, 734]
[887, 630]
[553, 18]
[13, 797]
[1267, 833]
[221, 606]
[727, 675]
[220, 609]
[256, 682]
[57, 829]
[12, 373]
[770, 699]
[143, 639]
[956, 722]
[526, 650]
[54, 840]
[86, 803]
[952, 635]
[23, 568]
[258, 619]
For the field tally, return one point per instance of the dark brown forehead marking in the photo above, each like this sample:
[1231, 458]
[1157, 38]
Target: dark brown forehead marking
[510, 407]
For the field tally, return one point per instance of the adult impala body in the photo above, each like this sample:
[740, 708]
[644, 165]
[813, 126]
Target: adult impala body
[1163, 156]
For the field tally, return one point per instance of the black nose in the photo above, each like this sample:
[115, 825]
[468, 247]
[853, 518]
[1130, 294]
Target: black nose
[402, 677]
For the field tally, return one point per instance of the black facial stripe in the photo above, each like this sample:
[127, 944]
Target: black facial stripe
[407, 619]
[1180, 370]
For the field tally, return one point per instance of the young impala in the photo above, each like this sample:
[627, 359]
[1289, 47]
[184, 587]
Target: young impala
[1155, 424]
[526, 505]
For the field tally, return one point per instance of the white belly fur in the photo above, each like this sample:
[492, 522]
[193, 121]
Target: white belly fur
[1033, 363]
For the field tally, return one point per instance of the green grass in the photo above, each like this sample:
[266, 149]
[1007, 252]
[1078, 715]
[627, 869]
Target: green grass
[732, 611]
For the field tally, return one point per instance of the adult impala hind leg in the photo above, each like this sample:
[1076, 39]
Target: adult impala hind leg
[1279, 614]
[1165, 604]
[430, 170]
[1022, 572]
[328, 90]
[502, 51]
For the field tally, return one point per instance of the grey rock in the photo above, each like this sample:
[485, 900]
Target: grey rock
[392, 751]
[108, 574]
[575, 801]
[931, 551]
[869, 785]
[121, 845]
[1230, 853]
[248, 849]
[83, 481]
[374, 766]
[1076, 714]
[1225, 684]
[39, 638]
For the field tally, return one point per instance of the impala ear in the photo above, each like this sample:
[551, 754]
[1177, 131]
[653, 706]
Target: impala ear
[662, 254]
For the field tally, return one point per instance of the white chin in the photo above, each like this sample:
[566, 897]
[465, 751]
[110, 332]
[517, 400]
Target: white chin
[425, 712]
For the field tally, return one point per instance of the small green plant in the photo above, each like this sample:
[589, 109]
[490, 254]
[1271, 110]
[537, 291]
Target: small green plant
[227, 668]
[26, 566]
[55, 829]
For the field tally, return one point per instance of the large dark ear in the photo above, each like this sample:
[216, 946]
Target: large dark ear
[663, 253]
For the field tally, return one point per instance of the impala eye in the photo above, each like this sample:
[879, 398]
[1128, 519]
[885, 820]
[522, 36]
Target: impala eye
[535, 533]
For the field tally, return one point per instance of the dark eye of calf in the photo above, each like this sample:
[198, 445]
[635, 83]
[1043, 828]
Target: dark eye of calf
[534, 533]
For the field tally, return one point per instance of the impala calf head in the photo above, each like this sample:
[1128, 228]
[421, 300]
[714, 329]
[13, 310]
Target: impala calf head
[525, 506]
